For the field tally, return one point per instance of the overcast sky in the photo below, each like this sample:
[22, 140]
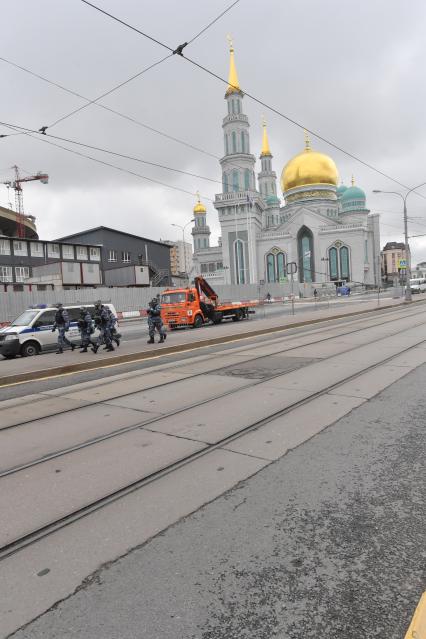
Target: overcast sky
[352, 71]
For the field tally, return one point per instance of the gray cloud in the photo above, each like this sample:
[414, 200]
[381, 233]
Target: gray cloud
[353, 72]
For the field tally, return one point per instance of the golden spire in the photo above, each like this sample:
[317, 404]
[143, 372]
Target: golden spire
[307, 141]
[233, 84]
[265, 142]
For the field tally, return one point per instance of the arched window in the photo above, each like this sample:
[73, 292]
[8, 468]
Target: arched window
[281, 274]
[205, 242]
[305, 246]
[344, 263]
[239, 262]
[229, 107]
[243, 142]
[226, 144]
[270, 267]
[247, 179]
[234, 142]
[225, 183]
[238, 106]
[235, 181]
[334, 271]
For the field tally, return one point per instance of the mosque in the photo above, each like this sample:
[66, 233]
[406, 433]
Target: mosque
[324, 228]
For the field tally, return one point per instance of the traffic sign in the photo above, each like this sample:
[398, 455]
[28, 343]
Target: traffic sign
[291, 268]
[402, 263]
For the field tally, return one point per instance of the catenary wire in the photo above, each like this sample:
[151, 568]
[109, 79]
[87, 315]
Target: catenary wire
[114, 166]
[213, 21]
[257, 100]
[110, 152]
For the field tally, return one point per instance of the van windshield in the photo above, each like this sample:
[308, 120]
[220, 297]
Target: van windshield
[173, 298]
[25, 319]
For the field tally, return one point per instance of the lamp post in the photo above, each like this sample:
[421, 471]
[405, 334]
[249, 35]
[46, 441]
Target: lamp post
[407, 253]
[183, 241]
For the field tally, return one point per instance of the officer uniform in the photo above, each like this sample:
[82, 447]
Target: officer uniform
[155, 321]
[102, 322]
[85, 327]
[62, 323]
[114, 334]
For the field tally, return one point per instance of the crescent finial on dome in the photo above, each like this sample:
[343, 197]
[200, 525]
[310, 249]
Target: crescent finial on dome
[307, 141]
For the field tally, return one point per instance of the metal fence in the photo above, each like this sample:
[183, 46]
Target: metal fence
[13, 303]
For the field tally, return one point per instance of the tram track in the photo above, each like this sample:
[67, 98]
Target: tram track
[49, 528]
[146, 423]
[173, 366]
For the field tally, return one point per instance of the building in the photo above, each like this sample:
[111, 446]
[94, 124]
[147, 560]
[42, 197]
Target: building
[40, 264]
[9, 224]
[325, 228]
[180, 257]
[419, 271]
[120, 249]
[392, 253]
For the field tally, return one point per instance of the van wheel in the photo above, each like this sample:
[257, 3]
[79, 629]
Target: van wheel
[198, 321]
[29, 349]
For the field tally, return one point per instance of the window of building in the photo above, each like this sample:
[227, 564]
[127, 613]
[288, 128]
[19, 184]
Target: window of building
[247, 179]
[243, 142]
[112, 255]
[239, 262]
[305, 246]
[235, 181]
[205, 242]
[237, 106]
[204, 268]
[339, 263]
[234, 142]
[225, 183]
[366, 251]
[67, 252]
[18, 288]
[4, 247]
[226, 145]
[275, 266]
[53, 250]
[332, 256]
[344, 263]
[95, 253]
[6, 274]
[22, 273]
[270, 267]
[19, 248]
[37, 249]
[125, 257]
[82, 252]
[219, 266]
[229, 107]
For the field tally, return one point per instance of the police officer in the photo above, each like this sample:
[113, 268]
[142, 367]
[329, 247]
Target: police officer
[62, 323]
[114, 334]
[85, 326]
[102, 323]
[155, 321]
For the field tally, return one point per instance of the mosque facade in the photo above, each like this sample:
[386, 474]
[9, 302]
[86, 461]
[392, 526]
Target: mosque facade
[324, 228]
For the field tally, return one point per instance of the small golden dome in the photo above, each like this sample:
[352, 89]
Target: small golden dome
[309, 167]
[199, 208]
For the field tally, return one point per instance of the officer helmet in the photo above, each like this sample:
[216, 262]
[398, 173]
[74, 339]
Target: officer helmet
[83, 309]
[154, 301]
[59, 305]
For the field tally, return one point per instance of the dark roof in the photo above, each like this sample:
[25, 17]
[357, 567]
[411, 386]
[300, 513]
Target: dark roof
[394, 245]
[108, 228]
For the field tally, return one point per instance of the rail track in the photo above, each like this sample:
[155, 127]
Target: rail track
[47, 529]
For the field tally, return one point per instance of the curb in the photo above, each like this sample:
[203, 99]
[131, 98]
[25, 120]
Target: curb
[179, 348]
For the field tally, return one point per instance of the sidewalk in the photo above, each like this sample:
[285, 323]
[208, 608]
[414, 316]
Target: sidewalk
[26, 369]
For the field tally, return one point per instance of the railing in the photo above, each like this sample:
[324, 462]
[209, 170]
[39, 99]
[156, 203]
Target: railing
[235, 116]
[159, 274]
[237, 195]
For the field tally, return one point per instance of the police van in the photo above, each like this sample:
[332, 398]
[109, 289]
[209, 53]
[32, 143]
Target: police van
[31, 332]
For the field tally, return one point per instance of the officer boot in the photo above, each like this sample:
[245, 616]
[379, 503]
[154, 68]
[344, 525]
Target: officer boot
[59, 351]
[150, 341]
[110, 348]
[161, 340]
[95, 348]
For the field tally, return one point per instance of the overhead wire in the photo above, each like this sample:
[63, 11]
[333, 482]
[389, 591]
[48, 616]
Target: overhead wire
[44, 139]
[257, 100]
[213, 21]
[110, 152]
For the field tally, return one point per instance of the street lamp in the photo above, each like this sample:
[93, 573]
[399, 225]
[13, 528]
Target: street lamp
[407, 254]
[183, 240]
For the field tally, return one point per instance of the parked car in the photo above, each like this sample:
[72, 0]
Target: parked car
[418, 285]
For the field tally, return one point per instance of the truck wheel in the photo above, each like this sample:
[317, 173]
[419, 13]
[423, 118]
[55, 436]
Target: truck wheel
[238, 316]
[29, 349]
[198, 321]
[217, 318]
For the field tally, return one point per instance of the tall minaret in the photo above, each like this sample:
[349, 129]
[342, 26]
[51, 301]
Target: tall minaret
[239, 205]
[267, 178]
[200, 231]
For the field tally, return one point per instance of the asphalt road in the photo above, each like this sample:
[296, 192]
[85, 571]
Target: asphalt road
[326, 542]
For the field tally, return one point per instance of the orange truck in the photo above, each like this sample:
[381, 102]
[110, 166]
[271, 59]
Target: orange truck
[197, 306]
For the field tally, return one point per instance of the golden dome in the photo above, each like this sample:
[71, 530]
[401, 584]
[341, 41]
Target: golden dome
[199, 208]
[309, 167]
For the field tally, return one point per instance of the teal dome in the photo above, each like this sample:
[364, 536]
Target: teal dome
[340, 190]
[272, 200]
[353, 193]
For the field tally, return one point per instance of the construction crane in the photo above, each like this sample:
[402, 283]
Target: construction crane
[16, 185]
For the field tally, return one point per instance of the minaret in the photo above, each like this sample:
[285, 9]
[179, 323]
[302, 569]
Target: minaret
[200, 231]
[267, 178]
[239, 205]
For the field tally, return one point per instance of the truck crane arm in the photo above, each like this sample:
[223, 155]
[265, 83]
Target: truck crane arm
[203, 286]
